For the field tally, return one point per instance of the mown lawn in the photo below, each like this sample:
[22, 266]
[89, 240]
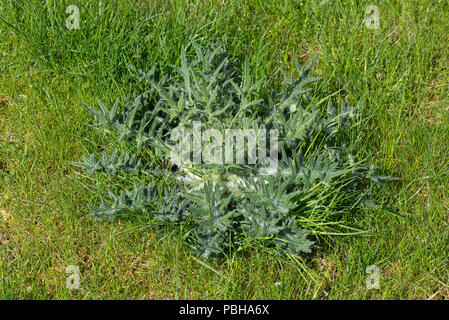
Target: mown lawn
[399, 72]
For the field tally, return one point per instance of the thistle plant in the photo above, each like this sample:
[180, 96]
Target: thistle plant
[228, 206]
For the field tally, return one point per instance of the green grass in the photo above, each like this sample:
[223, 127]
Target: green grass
[399, 72]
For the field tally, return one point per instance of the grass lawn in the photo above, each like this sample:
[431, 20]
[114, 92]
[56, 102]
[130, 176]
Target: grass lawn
[400, 73]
